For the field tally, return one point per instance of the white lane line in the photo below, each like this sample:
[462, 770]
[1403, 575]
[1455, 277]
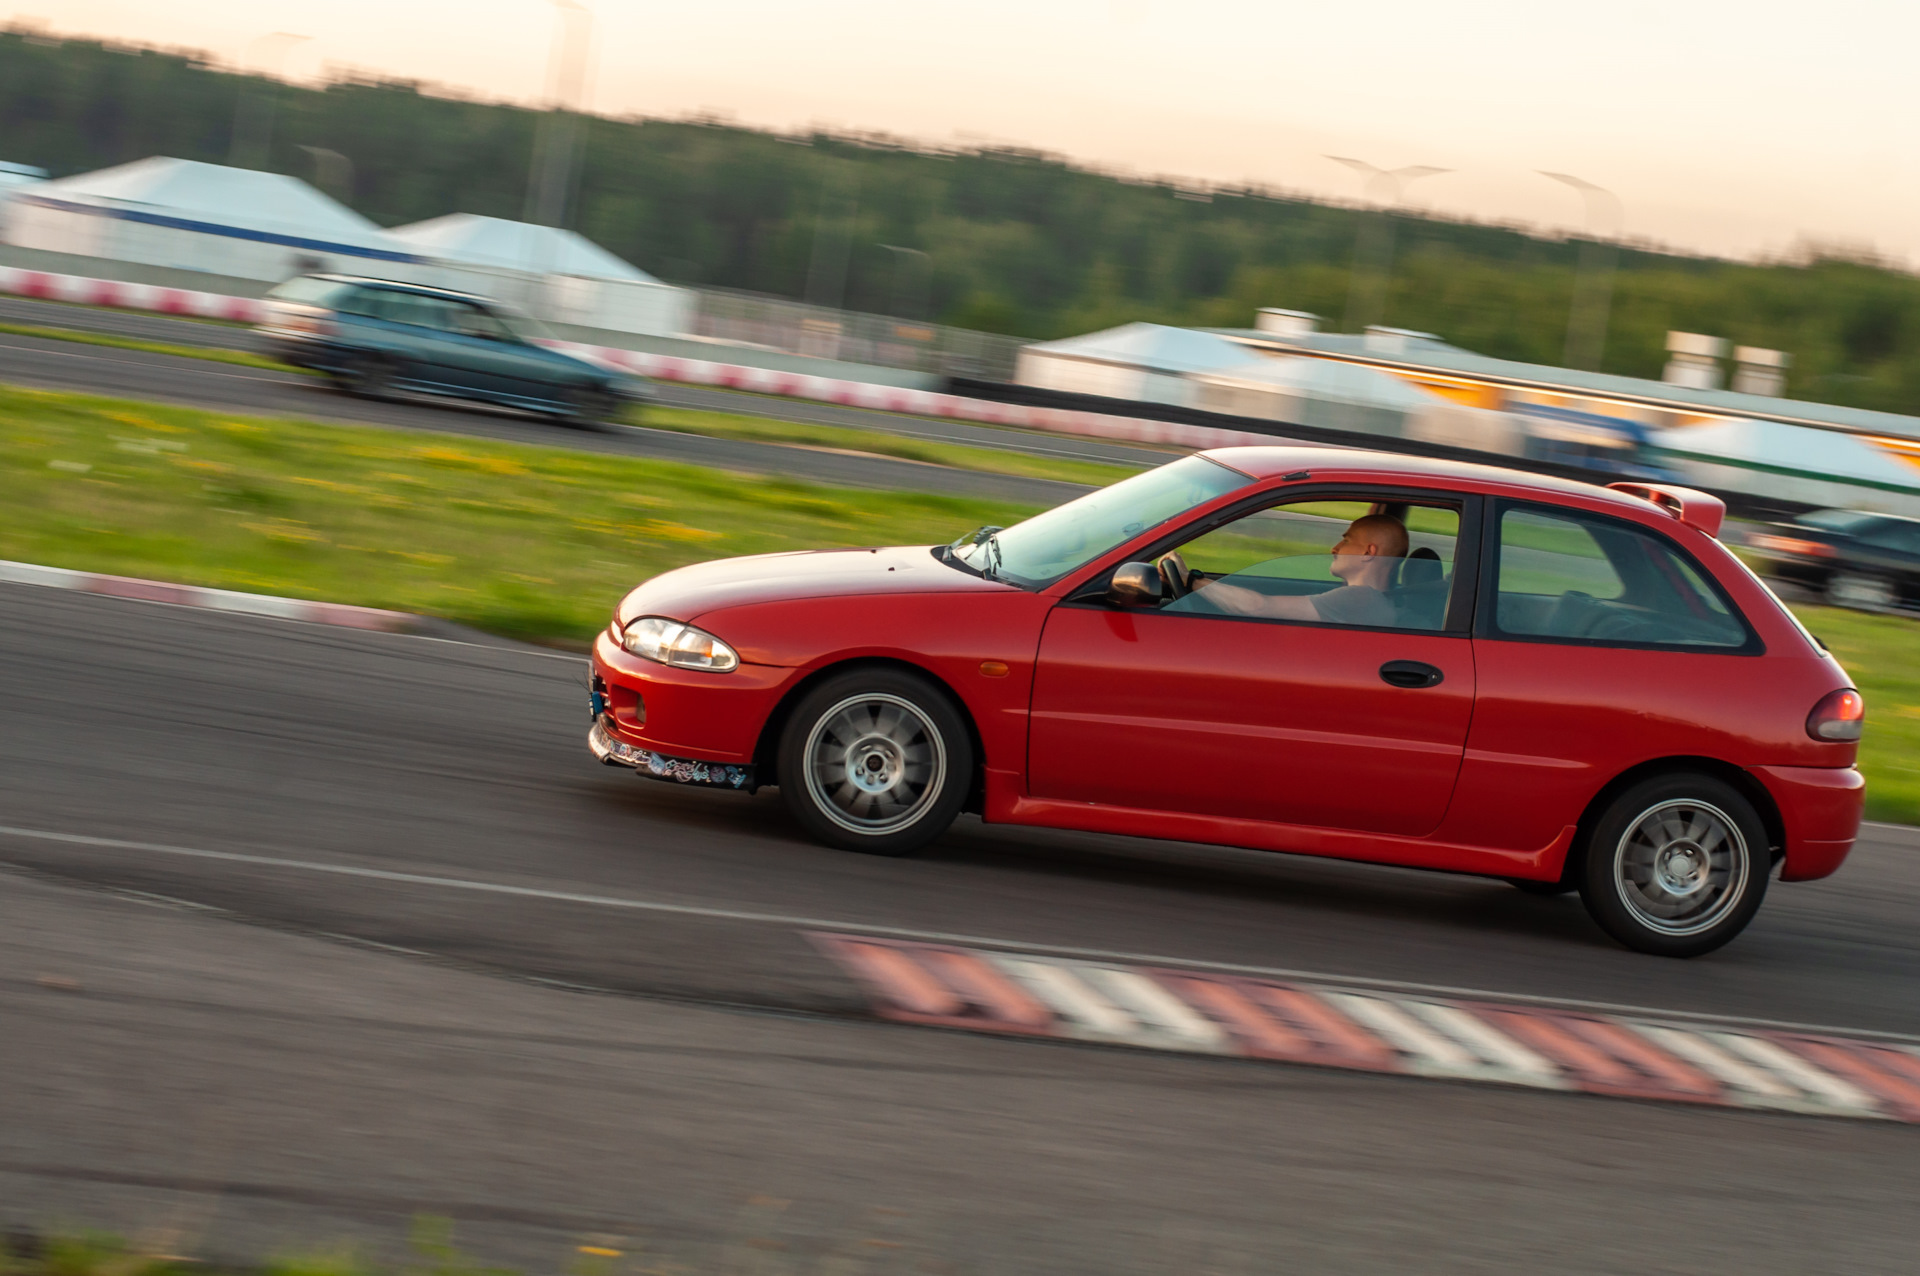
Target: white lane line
[1801, 1073]
[1154, 1005]
[1089, 1012]
[932, 936]
[1492, 1045]
[1431, 1052]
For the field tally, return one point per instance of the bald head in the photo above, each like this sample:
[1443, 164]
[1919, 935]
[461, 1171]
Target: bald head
[1387, 534]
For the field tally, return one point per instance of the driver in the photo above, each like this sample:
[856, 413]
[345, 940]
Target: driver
[1364, 560]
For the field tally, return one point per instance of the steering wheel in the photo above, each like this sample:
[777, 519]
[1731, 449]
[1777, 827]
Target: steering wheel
[1175, 576]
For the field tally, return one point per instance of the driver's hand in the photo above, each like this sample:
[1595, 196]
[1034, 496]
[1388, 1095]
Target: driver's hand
[1176, 567]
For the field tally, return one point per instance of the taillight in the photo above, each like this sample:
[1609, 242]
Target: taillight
[1794, 545]
[1838, 716]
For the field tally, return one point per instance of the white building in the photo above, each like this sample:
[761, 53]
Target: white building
[1148, 362]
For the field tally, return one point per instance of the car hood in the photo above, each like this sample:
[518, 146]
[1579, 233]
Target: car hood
[691, 592]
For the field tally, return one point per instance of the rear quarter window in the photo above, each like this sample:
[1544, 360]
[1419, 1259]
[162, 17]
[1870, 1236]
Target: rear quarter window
[1583, 578]
[306, 290]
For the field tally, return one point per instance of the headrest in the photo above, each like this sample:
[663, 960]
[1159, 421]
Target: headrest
[1422, 567]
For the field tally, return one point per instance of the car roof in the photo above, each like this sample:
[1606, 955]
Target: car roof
[1362, 465]
[402, 286]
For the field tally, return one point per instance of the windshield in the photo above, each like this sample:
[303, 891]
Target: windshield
[1048, 546]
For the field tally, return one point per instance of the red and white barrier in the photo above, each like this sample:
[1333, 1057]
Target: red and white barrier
[156, 591]
[48, 286]
[860, 394]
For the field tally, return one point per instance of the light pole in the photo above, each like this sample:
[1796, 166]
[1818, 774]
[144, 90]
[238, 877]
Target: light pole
[926, 281]
[556, 143]
[1593, 282]
[244, 149]
[1367, 300]
[827, 272]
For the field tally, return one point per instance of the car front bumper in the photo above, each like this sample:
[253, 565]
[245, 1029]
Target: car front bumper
[616, 752]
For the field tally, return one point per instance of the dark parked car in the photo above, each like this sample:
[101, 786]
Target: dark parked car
[374, 336]
[1868, 561]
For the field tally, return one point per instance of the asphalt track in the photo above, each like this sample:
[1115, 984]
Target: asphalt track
[66, 365]
[696, 1079]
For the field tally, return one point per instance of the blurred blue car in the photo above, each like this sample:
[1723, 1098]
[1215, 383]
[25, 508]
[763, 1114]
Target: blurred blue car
[373, 337]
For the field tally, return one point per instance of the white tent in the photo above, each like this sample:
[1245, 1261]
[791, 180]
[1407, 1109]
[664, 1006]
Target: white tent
[187, 215]
[554, 273]
[494, 241]
[1148, 362]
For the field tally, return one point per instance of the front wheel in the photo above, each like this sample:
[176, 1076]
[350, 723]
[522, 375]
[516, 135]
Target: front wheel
[1676, 866]
[875, 760]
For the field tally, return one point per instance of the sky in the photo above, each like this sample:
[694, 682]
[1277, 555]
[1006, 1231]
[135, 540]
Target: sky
[1743, 129]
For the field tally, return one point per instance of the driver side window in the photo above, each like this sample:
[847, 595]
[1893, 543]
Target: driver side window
[1383, 565]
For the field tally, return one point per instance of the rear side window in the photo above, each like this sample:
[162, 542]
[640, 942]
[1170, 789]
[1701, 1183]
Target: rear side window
[306, 290]
[1901, 537]
[411, 308]
[1589, 578]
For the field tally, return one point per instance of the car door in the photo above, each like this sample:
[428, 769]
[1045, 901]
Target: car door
[1186, 708]
[495, 361]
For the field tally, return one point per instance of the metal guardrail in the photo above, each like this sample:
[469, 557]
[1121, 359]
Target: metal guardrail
[796, 327]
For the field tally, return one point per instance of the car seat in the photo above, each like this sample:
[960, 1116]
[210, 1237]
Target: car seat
[1420, 598]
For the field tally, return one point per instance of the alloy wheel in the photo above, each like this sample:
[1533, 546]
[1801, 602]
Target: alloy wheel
[874, 763]
[1681, 867]
[1863, 593]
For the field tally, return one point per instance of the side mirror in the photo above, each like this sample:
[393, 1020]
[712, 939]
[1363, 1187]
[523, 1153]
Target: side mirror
[1135, 585]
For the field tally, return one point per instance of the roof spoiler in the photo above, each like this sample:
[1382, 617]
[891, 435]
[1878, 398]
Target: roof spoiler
[1695, 509]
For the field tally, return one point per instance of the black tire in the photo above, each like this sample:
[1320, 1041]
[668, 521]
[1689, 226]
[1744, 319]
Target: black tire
[586, 406]
[367, 376]
[875, 760]
[1862, 591]
[1676, 866]
[1532, 886]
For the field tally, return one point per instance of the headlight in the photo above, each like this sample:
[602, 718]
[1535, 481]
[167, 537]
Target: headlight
[672, 643]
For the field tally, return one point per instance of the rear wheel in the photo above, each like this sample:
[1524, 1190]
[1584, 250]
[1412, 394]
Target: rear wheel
[586, 405]
[1862, 593]
[1676, 866]
[875, 760]
[367, 376]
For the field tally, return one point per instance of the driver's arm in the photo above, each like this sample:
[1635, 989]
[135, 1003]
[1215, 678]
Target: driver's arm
[1242, 601]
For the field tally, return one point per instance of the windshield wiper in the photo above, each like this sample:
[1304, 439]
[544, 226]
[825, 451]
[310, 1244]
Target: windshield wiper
[992, 546]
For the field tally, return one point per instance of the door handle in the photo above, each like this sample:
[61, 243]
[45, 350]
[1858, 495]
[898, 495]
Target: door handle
[1410, 673]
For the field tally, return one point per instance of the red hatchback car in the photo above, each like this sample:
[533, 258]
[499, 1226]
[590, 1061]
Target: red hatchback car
[1350, 654]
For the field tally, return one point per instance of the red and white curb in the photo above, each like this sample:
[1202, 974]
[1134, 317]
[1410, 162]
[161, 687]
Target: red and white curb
[154, 591]
[48, 286]
[1377, 1031]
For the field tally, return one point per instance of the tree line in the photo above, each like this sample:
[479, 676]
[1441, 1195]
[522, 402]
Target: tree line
[997, 239]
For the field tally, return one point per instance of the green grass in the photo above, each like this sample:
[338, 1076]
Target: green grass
[240, 357]
[1882, 653]
[529, 541]
[726, 425]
